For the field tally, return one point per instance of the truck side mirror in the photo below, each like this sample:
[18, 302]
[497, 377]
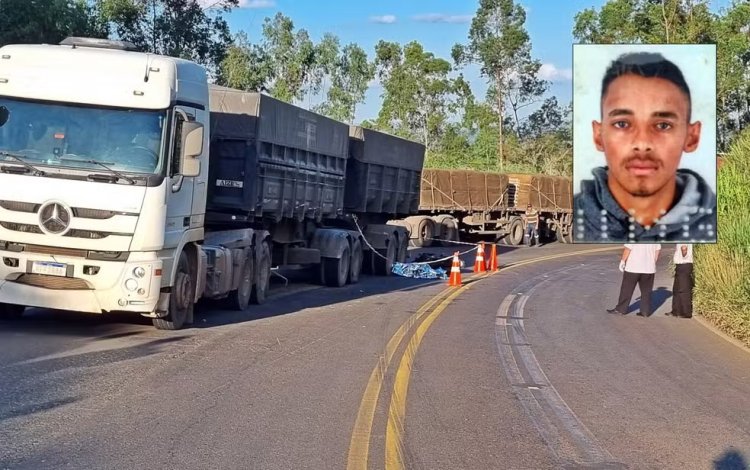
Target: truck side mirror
[192, 147]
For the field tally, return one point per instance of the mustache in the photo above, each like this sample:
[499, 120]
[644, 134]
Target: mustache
[641, 160]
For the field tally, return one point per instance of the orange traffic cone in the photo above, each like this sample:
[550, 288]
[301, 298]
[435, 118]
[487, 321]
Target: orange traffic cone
[492, 260]
[479, 266]
[455, 277]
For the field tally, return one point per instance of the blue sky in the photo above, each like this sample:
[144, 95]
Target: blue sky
[436, 24]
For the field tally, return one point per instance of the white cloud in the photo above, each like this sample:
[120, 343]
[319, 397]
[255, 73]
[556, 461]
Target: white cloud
[257, 3]
[442, 18]
[552, 73]
[383, 19]
[242, 3]
[374, 83]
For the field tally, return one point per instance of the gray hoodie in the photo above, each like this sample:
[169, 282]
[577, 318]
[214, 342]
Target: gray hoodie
[599, 218]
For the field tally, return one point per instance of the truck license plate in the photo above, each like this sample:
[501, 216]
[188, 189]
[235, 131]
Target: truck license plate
[50, 269]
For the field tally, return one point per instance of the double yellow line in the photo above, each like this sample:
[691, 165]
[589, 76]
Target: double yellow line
[359, 446]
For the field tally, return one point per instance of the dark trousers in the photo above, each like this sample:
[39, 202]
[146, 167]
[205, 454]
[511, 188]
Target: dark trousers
[682, 290]
[645, 284]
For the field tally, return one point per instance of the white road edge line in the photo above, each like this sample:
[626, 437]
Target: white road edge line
[557, 424]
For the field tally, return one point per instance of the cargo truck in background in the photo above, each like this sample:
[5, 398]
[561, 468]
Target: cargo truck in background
[128, 183]
[463, 203]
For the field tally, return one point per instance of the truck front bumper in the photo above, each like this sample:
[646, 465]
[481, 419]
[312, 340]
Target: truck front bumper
[91, 286]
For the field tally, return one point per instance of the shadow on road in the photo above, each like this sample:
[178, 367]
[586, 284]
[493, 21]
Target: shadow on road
[731, 460]
[34, 408]
[299, 294]
[658, 297]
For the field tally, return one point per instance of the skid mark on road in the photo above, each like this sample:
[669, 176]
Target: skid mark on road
[358, 456]
[566, 436]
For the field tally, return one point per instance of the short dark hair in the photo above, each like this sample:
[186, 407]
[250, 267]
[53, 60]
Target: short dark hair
[647, 65]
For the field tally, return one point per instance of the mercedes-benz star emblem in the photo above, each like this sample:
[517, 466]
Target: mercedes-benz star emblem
[54, 218]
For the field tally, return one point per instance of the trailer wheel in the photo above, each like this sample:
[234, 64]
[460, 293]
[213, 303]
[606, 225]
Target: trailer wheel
[449, 229]
[403, 250]
[425, 231]
[383, 266]
[181, 301]
[240, 298]
[262, 276]
[515, 233]
[355, 266]
[336, 270]
[11, 311]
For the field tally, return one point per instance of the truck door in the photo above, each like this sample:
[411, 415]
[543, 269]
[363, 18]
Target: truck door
[180, 189]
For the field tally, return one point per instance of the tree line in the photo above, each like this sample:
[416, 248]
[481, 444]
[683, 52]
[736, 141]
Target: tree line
[424, 97]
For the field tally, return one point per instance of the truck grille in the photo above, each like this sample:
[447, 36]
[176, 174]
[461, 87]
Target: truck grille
[52, 282]
[26, 228]
[20, 227]
[81, 212]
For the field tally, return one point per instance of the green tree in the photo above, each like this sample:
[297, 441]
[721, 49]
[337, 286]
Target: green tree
[499, 42]
[245, 67]
[291, 55]
[684, 21]
[285, 62]
[178, 28]
[350, 73]
[50, 21]
[418, 94]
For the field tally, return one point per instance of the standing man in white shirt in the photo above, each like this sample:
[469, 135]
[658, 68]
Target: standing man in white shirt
[682, 289]
[638, 265]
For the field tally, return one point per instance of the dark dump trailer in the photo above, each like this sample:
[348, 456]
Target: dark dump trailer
[464, 202]
[323, 191]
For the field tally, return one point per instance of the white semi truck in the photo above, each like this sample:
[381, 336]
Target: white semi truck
[110, 157]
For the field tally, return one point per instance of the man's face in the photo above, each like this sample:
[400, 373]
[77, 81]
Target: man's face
[643, 132]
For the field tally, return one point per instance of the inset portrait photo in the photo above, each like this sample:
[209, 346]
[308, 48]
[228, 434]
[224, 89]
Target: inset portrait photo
[644, 143]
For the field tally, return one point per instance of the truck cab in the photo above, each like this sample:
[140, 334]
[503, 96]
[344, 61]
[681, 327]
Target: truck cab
[103, 176]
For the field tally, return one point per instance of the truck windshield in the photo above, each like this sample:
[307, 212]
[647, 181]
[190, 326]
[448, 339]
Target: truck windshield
[127, 140]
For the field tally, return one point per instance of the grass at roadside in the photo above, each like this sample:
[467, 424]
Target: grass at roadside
[722, 290]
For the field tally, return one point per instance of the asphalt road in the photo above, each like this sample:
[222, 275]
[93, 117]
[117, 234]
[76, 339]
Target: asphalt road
[520, 369]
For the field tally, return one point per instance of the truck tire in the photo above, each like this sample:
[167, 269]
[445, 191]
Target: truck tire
[384, 264]
[11, 311]
[515, 232]
[181, 301]
[424, 231]
[403, 250]
[449, 229]
[239, 299]
[355, 265]
[262, 281]
[336, 270]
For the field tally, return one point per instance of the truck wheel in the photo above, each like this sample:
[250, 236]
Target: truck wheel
[424, 233]
[383, 266]
[403, 250]
[240, 298]
[181, 301]
[11, 311]
[449, 229]
[515, 235]
[355, 266]
[262, 276]
[336, 270]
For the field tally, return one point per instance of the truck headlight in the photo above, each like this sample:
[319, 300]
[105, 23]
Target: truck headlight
[139, 272]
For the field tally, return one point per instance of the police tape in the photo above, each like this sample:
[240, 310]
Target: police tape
[374, 250]
[456, 242]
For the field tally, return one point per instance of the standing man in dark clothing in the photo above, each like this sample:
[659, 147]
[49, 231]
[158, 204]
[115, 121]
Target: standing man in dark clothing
[531, 219]
[638, 265]
[682, 289]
